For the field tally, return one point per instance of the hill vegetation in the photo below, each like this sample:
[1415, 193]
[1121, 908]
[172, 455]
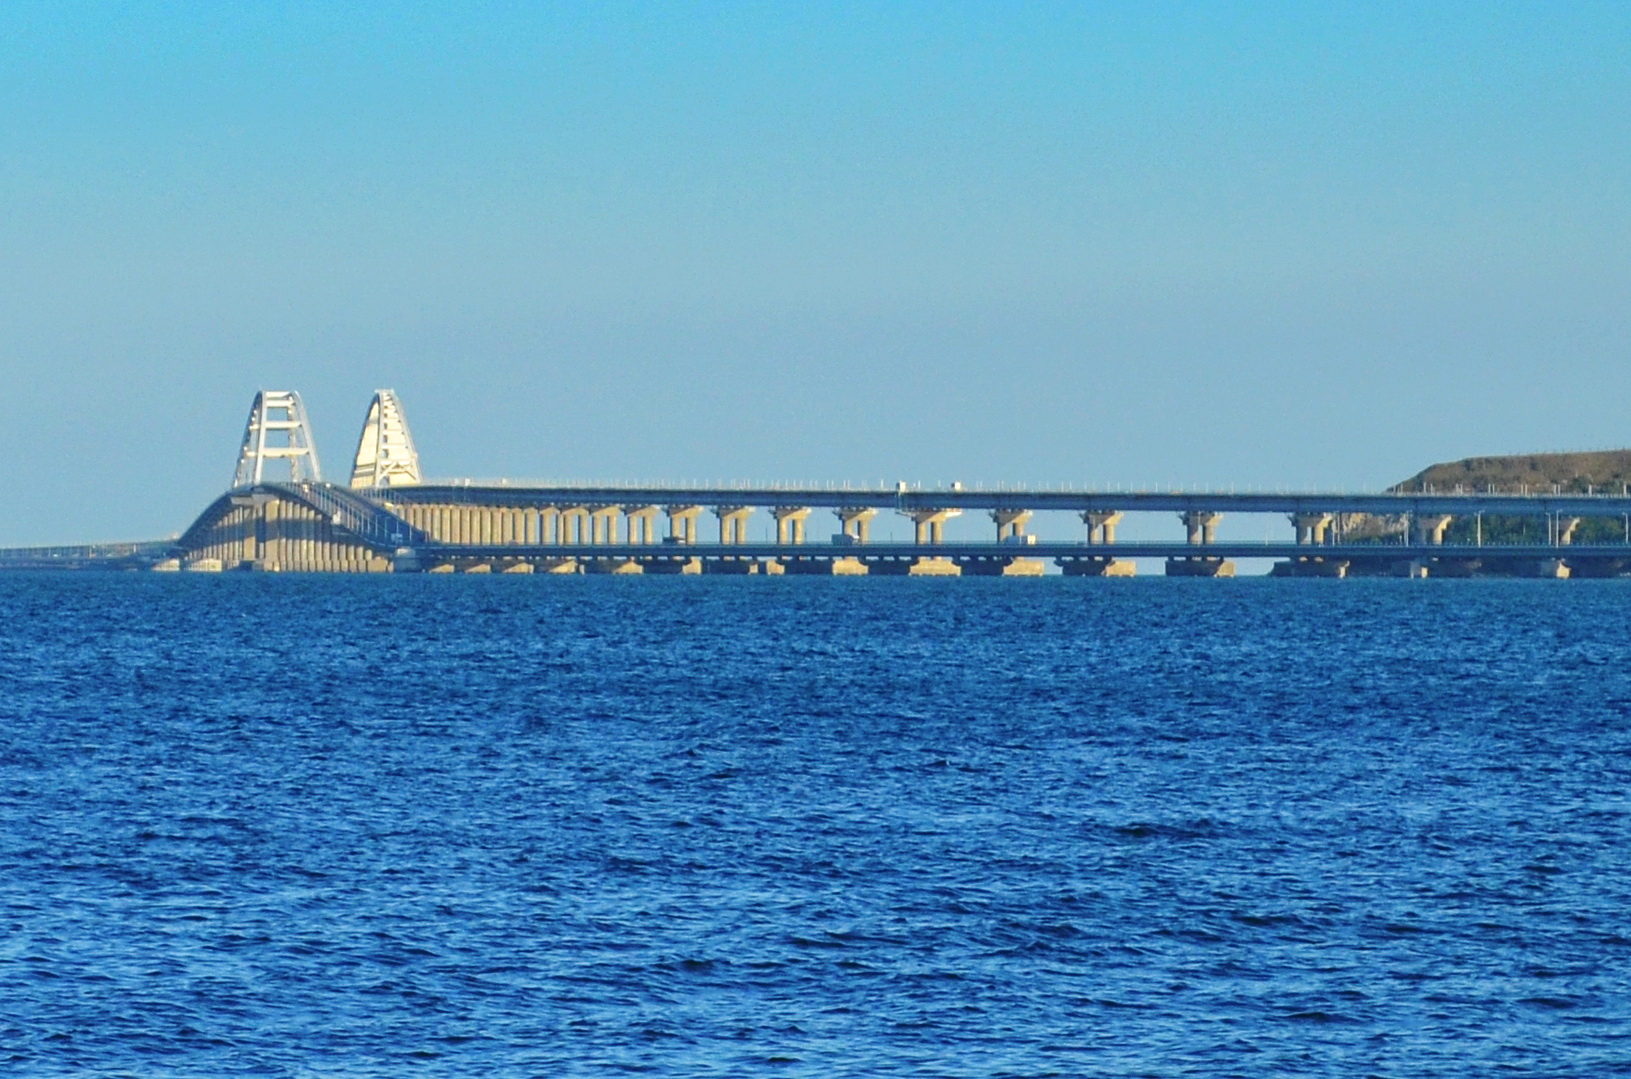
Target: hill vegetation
[1598, 471]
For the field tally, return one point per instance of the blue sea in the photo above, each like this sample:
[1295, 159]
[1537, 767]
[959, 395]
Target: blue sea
[509, 826]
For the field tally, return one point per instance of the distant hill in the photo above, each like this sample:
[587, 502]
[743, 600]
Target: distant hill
[1601, 469]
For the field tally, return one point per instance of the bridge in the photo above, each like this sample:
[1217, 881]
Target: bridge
[281, 516]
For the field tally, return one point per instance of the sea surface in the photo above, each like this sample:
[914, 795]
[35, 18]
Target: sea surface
[508, 826]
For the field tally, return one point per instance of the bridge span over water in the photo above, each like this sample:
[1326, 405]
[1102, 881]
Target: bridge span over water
[281, 516]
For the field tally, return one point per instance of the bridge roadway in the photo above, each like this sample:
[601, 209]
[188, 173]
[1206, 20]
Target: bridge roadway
[317, 527]
[1040, 549]
[1453, 503]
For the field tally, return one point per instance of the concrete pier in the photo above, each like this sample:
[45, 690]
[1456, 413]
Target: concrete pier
[1200, 530]
[682, 523]
[1101, 525]
[1095, 566]
[733, 523]
[311, 527]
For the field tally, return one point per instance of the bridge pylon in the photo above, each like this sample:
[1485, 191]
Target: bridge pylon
[385, 453]
[277, 430]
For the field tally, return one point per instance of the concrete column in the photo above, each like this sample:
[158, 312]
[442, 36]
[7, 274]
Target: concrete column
[790, 523]
[1010, 523]
[549, 525]
[929, 525]
[642, 524]
[1101, 525]
[606, 520]
[1311, 527]
[1430, 527]
[269, 547]
[856, 521]
[682, 523]
[733, 523]
[1565, 529]
[573, 525]
[1201, 525]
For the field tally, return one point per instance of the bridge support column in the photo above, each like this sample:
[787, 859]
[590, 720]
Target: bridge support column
[1201, 525]
[1430, 527]
[1311, 527]
[1010, 523]
[1010, 529]
[930, 525]
[1312, 531]
[575, 527]
[929, 528]
[856, 521]
[604, 524]
[733, 531]
[271, 546]
[1101, 531]
[643, 524]
[733, 523]
[1201, 528]
[1101, 525]
[682, 523]
[790, 523]
[1565, 530]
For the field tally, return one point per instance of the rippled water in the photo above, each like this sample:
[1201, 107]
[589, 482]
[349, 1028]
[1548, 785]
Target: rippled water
[692, 827]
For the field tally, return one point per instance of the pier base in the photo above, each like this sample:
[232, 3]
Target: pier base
[1000, 567]
[672, 567]
[1598, 567]
[1200, 567]
[1310, 567]
[1096, 566]
[731, 567]
[935, 567]
[823, 567]
[613, 566]
[1379, 567]
[557, 565]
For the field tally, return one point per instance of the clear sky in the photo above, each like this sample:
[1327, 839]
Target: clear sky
[1200, 244]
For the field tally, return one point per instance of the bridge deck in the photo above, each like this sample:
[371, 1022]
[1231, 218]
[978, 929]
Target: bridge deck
[1460, 503]
[1133, 549]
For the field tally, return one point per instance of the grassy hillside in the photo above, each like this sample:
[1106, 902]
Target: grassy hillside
[1610, 469]
[1602, 470]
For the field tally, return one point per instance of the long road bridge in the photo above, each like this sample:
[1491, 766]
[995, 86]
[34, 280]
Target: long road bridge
[387, 519]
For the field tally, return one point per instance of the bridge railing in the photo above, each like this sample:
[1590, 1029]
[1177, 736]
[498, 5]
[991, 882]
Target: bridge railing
[367, 520]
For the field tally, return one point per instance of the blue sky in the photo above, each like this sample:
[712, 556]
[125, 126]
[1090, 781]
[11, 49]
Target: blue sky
[1141, 244]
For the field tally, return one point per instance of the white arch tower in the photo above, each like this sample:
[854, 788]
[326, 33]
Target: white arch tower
[277, 431]
[385, 453]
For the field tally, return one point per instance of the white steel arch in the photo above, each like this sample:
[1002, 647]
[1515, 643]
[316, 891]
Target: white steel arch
[278, 430]
[385, 453]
